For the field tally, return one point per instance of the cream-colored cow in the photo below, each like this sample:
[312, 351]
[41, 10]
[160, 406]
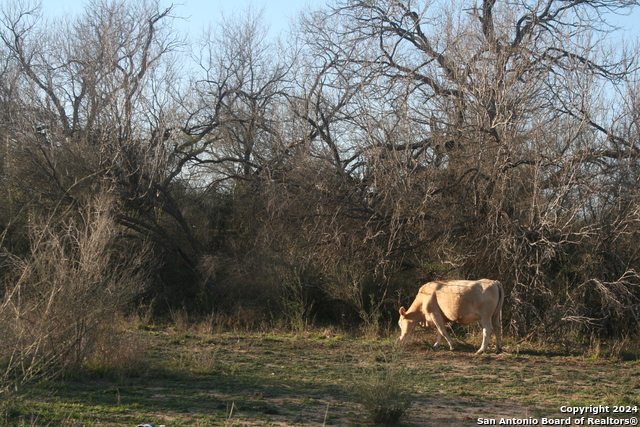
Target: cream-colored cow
[459, 301]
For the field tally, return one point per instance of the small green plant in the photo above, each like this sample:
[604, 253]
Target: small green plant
[383, 390]
[13, 409]
[117, 355]
[296, 308]
[371, 317]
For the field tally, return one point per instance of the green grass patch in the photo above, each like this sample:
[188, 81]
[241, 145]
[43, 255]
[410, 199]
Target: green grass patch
[204, 378]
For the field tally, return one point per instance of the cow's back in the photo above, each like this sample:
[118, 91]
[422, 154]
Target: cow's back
[464, 301]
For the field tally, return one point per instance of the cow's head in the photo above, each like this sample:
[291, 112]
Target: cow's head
[408, 322]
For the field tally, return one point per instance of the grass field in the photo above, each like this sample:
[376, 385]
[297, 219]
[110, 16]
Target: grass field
[189, 377]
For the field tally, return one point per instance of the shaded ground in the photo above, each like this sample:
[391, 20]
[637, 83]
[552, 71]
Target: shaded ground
[285, 380]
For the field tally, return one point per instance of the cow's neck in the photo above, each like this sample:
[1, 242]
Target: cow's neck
[415, 312]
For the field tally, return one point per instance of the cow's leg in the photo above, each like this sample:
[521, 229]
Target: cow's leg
[448, 338]
[438, 339]
[442, 331]
[497, 331]
[486, 335]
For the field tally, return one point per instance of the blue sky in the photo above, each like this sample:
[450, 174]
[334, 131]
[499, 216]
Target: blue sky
[199, 13]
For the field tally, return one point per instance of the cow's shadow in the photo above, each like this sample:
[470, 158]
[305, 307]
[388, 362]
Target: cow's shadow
[465, 340]
[468, 341]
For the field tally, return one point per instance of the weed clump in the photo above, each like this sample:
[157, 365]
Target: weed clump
[383, 390]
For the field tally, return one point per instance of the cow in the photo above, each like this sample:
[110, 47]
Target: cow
[458, 301]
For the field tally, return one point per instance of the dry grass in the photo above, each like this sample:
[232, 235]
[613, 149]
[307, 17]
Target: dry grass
[60, 301]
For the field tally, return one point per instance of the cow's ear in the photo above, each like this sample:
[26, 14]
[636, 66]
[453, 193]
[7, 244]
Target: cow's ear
[403, 312]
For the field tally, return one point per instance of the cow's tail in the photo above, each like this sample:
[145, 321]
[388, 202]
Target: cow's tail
[496, 319]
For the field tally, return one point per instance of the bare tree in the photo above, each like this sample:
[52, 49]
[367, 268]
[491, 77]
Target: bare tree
[234, 118]
[85, 119]
[388, 143]
[473, 134]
